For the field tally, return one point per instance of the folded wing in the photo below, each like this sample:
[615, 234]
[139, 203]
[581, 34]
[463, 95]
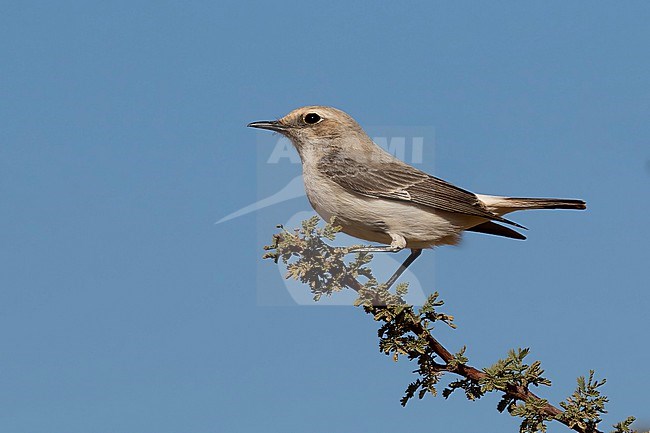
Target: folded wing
[395, 180]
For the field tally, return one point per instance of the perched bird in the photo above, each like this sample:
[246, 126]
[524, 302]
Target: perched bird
[379, 198]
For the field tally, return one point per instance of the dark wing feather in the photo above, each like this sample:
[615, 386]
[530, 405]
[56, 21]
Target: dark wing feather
[398, 181]
[498, 230]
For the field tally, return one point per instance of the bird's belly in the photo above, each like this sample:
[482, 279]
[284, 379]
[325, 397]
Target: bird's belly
[375, 219]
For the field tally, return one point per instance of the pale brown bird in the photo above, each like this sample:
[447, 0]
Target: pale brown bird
[379, 198]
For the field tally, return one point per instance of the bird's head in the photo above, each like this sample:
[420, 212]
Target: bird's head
[318, 129]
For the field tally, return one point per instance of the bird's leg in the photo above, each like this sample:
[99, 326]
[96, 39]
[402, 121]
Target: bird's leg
[415, 253]
[371, 249]
[397, 245]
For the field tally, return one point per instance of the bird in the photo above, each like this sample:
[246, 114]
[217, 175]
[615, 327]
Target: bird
[379, 198]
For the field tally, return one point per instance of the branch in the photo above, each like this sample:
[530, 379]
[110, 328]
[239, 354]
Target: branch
[405, 332]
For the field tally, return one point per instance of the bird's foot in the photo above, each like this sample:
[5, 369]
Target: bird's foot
[373, 249]
[398, 244]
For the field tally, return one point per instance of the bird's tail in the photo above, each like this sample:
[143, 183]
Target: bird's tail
[544, 203]
[504, 205]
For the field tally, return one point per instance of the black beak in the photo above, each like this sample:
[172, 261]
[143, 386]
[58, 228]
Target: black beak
[272, 125]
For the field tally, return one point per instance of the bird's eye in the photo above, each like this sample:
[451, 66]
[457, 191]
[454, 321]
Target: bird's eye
[312, 118]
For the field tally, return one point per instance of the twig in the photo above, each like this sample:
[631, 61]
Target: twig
[312, 261]
[469, 372]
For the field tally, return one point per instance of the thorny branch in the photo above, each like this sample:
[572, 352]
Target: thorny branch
[405, 332]
[517, 392]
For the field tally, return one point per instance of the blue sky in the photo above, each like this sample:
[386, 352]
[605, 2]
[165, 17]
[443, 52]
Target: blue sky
[125, 308]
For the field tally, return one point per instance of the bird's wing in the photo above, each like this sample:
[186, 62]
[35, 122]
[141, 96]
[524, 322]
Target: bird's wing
[396, 180]
[493, 228]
